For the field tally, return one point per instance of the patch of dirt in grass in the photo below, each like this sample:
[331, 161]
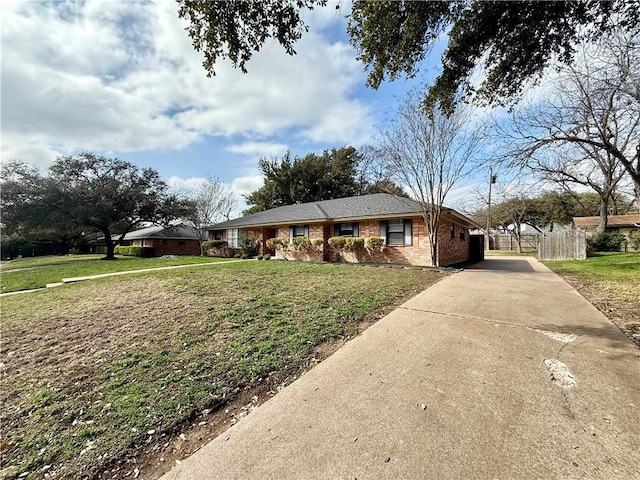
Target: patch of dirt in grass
[157, 458]
[614, 301]
[122, 376]
[64, 356]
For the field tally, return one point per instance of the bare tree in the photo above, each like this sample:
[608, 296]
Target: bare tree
[587, 130]
[515, 209]
[212, 203]
[428, 152]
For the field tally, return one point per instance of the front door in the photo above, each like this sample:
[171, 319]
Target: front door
[327, 234]
[267, 233]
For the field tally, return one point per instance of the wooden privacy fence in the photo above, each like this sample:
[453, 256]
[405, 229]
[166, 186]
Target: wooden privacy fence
[508, 242]
[567, 245]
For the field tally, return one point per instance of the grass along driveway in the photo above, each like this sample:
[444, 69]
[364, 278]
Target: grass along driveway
[36, 272]
[611, 282]
[99, 372]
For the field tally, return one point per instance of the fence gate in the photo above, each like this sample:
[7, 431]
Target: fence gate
[567, 245]
[476, 248]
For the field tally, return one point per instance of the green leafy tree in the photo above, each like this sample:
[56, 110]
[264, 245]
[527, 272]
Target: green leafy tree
[235, 30]
[310, 178]
[548, 209]
[555, 208]
[96, 193]
[514, 41]
[35, 211]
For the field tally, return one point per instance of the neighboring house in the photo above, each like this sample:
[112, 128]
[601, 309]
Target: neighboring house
[94, 243]
[173, 240]
[397, 220]
[626, 224]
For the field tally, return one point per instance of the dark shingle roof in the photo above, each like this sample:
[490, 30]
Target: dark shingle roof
[175, 232]
[362, 206]
[628, 220]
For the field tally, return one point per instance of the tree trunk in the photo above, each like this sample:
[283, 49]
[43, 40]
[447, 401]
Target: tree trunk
[433, 245]
[517, 234]
[110, 245]
[604, 213]
[64, 246]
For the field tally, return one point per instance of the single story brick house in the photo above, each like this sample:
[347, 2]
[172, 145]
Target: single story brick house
[626, 224]
[172, 240]
[397, 220]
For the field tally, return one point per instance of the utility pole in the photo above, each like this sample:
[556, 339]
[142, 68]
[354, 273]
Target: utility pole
[492, 180]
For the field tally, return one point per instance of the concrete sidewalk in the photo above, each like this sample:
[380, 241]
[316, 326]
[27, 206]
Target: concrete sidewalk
[500, 371]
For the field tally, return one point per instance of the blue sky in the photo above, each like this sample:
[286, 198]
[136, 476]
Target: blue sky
[122, 79]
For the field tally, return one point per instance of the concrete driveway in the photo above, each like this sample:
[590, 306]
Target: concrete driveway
[501, 371]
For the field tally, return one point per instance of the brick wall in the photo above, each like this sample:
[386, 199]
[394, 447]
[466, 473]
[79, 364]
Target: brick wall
[315, 254]
[452, 250]
[171, 247]
[416, 254]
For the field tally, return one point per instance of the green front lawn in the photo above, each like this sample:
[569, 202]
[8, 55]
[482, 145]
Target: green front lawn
[623, 268]
[611, 282]
[36, 272]
[98, 371]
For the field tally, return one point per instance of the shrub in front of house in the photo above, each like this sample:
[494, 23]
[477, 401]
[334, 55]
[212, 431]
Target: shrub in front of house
[237, 255]
[354, 244]
[278, 243]
[301, 244]
[219, 248]
[347, 244]
[606, 242]
[134, 251]
[213, 244]
[634, 239]
[375, 244]
[337, 243]
[249, 246]
[245, 256]
[318, 242]
[259, 257]
[266, 257]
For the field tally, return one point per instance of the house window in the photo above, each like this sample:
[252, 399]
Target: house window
[234, 237]
[298, 231]
[351, 229]
[217, 234]
[397, 232]
[453, 230]
[461, 233]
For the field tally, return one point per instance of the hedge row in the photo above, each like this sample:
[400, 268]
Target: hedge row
[134, 251]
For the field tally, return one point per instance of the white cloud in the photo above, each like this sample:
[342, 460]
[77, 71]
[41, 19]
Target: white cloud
[248, 184]
[259, 149]
[29, 148]
[123, 76]
[185, 185]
